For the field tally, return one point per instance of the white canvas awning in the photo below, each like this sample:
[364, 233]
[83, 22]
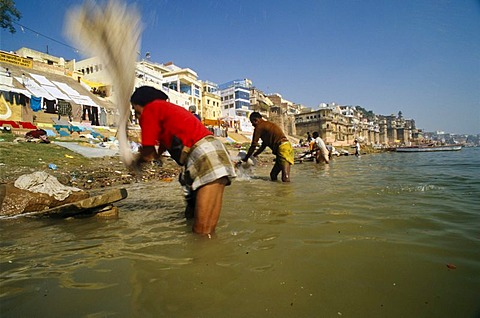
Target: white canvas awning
[46, 84]
[75, 96]
[15, 90]
[55, 92]
[41, 79]
[84, 100]
[34, 88]
[67, 89]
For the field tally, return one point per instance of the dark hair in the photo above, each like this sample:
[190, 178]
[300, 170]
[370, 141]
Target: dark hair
[315, 134]
[146, 94]
[255, 115]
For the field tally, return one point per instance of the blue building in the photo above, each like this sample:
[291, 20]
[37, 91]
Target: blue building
[235, 98]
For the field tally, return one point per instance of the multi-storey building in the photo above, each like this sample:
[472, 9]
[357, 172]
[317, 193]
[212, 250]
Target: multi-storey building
[283, 113]
[290, 108]
[332, 125]
[341, 125]
[181, 85]
[259, 102]
[94, 74]
[211, 103]
[235, 98]
[186, 82]
[44, 61]
[235, 103]
[396, 130]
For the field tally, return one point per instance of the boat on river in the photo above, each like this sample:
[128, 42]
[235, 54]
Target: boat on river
[429, 148]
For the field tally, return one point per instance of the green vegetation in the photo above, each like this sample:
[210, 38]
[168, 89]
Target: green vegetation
[8, 15]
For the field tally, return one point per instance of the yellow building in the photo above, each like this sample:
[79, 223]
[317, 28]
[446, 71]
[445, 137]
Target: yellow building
[211, 104]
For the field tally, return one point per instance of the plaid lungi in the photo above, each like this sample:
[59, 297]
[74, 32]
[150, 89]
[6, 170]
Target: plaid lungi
[207, 161]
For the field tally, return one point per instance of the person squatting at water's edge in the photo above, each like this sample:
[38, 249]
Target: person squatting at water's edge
[273, 137]
[207, 165]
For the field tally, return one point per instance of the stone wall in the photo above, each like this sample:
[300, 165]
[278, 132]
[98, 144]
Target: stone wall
[303, 128]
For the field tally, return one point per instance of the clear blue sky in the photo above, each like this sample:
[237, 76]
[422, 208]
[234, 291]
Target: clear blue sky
[421, 57]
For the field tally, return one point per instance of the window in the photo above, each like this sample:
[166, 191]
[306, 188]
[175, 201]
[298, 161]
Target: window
[187, 89]
[240, 104]
[242, 95]
[171, 85]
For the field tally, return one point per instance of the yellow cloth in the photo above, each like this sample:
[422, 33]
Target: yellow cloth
[92, 84]
[285, 153]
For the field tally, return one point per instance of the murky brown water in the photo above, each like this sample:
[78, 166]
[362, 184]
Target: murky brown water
[363, 237]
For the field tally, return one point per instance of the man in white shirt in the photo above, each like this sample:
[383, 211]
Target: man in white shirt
[319, 146]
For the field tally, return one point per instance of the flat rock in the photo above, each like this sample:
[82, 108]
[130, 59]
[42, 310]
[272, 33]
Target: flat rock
[14, 201]
[91, 205]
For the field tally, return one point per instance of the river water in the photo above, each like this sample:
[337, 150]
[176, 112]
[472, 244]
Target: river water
[361, 237]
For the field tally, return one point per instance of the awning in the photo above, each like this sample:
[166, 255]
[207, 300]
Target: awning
[51, 90]
[92, 84]
[67, 89]
[41, 79]
[75, 96]
[34, 88]
[83, 100]
[55, 92]
[15, 90]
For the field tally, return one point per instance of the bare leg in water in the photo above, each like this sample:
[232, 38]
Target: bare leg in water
[208, 206]
[277, 168]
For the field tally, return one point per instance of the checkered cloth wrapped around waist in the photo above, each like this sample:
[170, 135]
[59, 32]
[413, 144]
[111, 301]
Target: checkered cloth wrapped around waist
[208, 161]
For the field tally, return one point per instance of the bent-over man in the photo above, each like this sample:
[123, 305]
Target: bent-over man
[273, 137]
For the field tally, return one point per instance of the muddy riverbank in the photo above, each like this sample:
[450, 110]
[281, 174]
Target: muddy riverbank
[86, 173]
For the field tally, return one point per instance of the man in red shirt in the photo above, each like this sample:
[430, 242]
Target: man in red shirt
[207, 165]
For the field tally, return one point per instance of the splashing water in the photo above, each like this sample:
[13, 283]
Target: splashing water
[244, 170]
